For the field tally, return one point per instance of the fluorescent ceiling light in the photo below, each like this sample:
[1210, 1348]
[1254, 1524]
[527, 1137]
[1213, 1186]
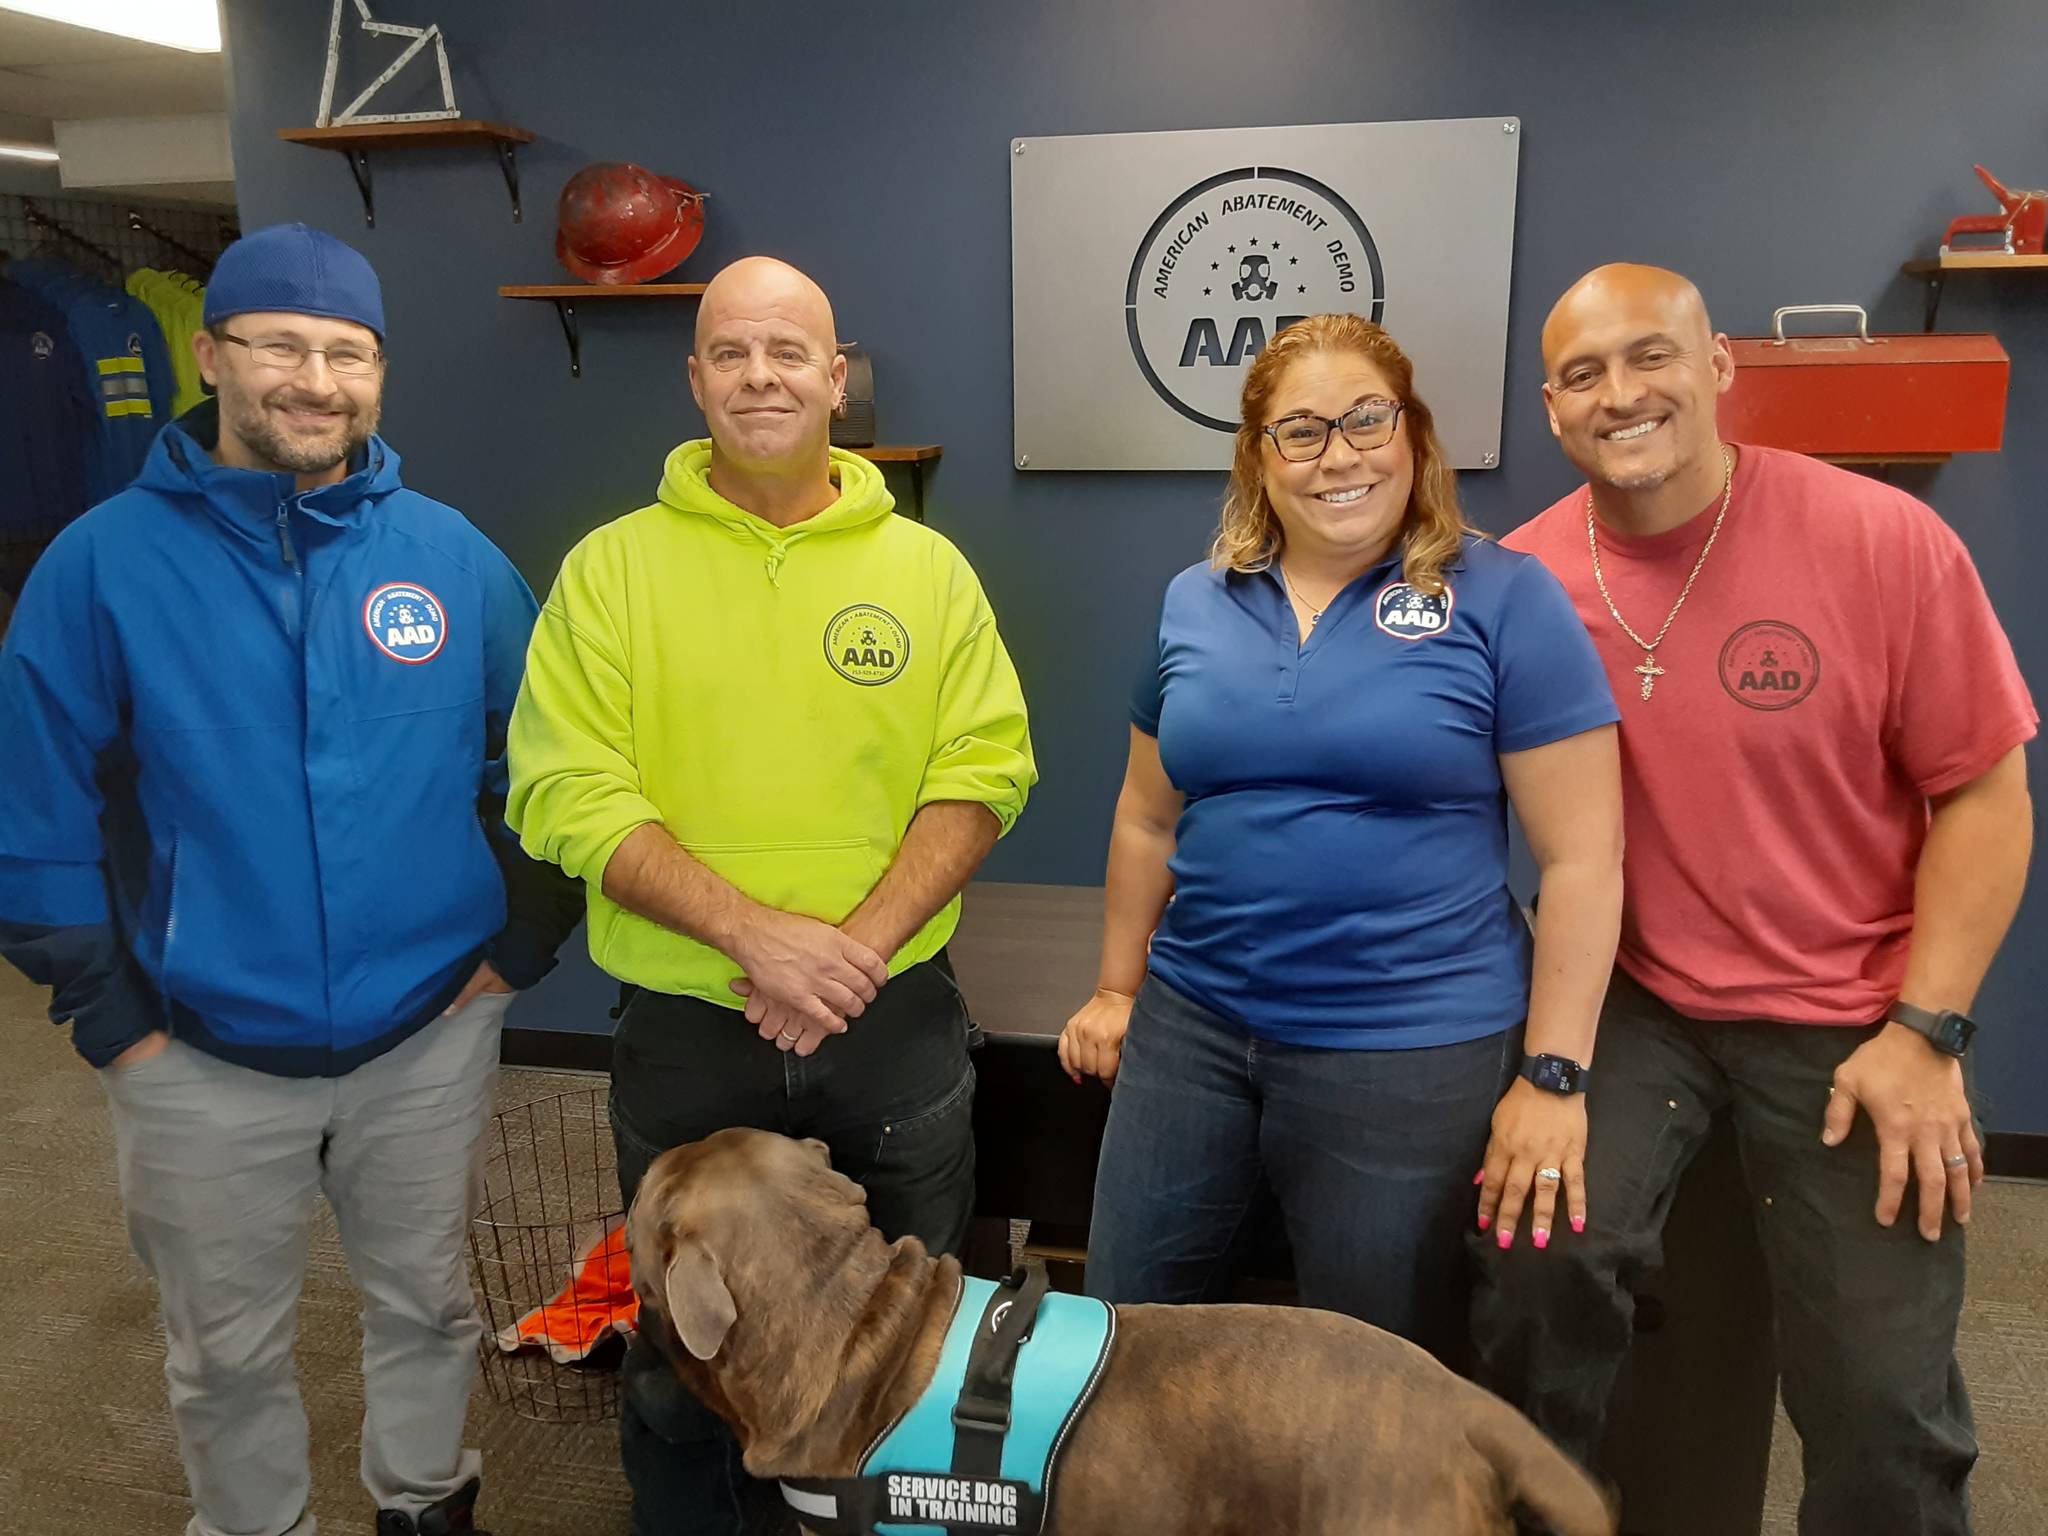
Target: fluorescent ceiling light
[40, 152]
[193, 25]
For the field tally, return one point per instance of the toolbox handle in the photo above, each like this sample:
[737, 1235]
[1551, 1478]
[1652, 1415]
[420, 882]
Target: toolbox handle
[1862, 320]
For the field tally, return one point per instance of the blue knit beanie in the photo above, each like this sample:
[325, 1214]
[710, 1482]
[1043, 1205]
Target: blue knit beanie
[296, 271]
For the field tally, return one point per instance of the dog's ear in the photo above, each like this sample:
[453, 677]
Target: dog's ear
[699, 1305]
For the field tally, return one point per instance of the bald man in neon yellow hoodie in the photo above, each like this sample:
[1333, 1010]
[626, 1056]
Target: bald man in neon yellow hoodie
[773, 729]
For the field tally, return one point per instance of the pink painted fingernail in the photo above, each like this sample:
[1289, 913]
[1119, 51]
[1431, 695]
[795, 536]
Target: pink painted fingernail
[1507, 1236]
[1578, 1223]
[1485, 1222]
[1075, 1075]
[1541, 1237]
[1479, 1177]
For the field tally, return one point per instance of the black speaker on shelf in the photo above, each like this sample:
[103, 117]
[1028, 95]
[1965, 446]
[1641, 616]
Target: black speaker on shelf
[853, 424]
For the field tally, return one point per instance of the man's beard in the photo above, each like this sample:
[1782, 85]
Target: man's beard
[1647, 481]
[249, 420]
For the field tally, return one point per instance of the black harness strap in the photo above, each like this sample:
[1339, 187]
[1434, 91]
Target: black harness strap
[981, 1417]
[836, 1506]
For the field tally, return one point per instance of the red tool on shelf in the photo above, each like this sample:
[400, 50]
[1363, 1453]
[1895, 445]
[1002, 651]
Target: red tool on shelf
[2022, 225]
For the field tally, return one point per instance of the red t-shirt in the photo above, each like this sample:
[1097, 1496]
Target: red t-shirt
[1836, 664]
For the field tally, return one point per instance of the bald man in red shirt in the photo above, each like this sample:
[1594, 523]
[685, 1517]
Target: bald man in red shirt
[1828, 829]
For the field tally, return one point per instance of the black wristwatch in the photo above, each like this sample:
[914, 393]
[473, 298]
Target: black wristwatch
[1556, 1074]
[1948, 1032]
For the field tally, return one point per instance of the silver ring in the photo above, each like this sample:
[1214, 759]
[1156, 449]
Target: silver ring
[789, 1037]
[1958, 1161]
[1549, 1173]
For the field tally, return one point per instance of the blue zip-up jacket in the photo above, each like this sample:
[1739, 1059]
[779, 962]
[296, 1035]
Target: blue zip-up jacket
[252, 783]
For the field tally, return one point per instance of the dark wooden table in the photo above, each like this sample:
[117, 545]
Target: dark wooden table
[1693, 1412]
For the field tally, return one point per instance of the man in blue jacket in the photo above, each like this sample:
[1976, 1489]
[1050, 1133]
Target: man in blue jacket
[251, 836]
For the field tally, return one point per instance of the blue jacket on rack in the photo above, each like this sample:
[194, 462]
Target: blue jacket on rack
[253, 783]
[126, 369]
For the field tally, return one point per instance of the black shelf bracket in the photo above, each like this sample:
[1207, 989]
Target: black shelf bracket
[565, 311]
[359, 163]
[508, 166]
[1934, 282]
[508, 162]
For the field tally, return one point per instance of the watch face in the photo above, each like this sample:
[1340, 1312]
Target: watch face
[1953, 1033]
[1556, 1073]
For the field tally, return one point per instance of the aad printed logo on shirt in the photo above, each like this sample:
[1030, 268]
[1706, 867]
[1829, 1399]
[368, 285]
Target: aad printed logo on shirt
[1769, 665]
[406, 622]
[1407, 614]
[867, 645]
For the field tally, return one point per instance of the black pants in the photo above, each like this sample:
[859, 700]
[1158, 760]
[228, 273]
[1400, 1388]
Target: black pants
[892, 1097]
[1865, 1316]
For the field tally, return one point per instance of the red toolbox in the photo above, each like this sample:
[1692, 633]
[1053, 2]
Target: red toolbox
[1866, 396]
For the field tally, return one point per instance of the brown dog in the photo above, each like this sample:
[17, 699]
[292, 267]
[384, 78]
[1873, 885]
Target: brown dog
[784, 1311]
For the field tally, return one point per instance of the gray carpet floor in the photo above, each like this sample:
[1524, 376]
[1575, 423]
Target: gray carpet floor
[86, 1446]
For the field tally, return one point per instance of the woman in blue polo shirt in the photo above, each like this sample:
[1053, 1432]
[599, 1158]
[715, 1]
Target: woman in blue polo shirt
[1313, 972]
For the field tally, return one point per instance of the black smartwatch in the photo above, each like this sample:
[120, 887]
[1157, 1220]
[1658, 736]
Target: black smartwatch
[1556, 1074]
[1948, 1032]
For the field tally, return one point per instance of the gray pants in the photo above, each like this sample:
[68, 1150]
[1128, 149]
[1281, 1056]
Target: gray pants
[218, 1168]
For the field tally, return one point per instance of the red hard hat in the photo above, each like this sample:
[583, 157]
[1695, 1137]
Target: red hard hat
[620, 223]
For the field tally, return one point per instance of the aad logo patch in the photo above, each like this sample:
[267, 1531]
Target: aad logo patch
[1769, 665]
[1406, 614]
[867, 645]
[406, 622]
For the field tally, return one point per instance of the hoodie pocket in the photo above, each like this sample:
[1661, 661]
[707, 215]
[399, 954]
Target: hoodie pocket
[825, 880]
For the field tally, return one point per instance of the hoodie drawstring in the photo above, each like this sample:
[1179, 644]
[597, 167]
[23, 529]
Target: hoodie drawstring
[774, 563]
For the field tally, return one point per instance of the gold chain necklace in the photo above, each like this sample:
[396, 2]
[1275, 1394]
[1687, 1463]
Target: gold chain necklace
[1314, 613]
[1649, 669]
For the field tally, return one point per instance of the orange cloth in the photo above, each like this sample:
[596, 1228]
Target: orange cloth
[598, 1301]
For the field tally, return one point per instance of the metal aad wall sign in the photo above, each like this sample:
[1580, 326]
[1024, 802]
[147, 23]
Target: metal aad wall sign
[1149, 269]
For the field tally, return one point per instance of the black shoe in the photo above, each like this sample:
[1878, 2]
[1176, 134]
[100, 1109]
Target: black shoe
[452, 1516]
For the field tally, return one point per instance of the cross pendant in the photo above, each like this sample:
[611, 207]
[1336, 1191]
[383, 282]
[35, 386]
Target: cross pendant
[1650, 672]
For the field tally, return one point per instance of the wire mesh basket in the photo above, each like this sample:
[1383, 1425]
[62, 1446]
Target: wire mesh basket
[549, 1258]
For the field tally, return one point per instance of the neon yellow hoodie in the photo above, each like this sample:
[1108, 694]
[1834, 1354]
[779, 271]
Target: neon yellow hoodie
[781, 700]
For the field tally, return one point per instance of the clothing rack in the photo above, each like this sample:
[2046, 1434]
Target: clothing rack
[104, 222]
[202, 263]
[63, 232]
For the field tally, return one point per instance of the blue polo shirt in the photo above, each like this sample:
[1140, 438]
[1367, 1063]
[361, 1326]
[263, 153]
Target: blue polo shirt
[1340, 869]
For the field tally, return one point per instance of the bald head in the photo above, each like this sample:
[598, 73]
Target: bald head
[1632, 369]
[1657, 294]
[768, 375]
[762, 287]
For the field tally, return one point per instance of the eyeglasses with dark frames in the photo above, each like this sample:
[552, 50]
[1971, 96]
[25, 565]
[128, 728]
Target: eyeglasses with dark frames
[1306, 436]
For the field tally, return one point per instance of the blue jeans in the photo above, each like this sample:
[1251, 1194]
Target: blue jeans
[1370, 1155]
[893, 1098]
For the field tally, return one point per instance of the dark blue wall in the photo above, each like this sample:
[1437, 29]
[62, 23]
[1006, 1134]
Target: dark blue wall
[1777, 153]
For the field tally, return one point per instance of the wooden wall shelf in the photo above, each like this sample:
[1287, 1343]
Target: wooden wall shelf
[581, 291]
[916, 456]
[923, 453]
[1936, 272]
[566, 296]
[1978, 261]
[354, 141]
